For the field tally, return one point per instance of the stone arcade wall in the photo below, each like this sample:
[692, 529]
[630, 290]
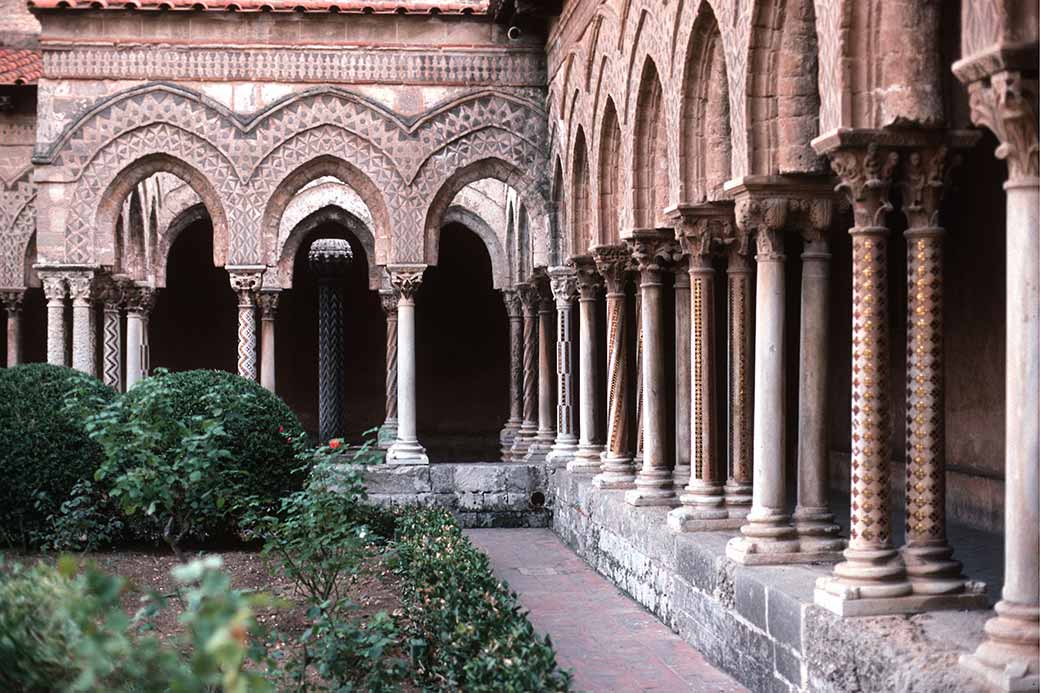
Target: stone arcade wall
[759, 624]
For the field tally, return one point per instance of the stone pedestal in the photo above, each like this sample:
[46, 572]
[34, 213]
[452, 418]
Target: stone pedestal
[267, 300]
[388, 431]
[406, 280]
[246, 281]
[590, 448]
[511, 299]
[12, 301]
[565, 292]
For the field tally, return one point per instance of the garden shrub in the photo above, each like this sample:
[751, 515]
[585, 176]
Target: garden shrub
[46, 450]
[469, 631]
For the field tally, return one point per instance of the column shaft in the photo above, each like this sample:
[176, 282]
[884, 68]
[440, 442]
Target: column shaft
[529, 424]
[12, 301]
[140, 300]
[388, 431]
[511, 298]
[740, 348]
[683, 377]
[80, 288]
[565, 292]
[55, 289]
[246, 284]
[590, 447]
[406, 449]
[268, 302]
[112, 346]
[545, 435]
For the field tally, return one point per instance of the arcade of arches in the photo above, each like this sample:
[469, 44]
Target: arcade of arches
[717, 268]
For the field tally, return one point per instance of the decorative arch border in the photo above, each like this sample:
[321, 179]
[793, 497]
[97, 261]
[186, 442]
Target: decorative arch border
[330, 213]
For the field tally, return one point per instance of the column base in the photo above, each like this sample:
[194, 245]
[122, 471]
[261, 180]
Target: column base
[587, 459]
[932, 570]
[1014, 676]
[817, 532]
[681, 475]
[1009, 658]
[404, 452]
[537, 452]
[747, 552]
[738, 498]
[387, 434]
[507, 437]
[767, 536]
[843, 599]
[615, 473]
[562, 452]
[690, 518]
[653, 488]
[521, 443]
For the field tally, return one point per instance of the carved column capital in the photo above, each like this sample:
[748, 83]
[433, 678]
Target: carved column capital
[1006, 103]
[54, 286]
[268, 303]
[563, 282]
[12, 300]
[406, 279]
[139, 299]
[388, 302]
[865, 178]
[511, 299]
[587, 277]
[528, 294]
[765, 217]
[245, 283]
[81, 285]
[654, 250]
[812, 216]
[612, 263]
[925, 172]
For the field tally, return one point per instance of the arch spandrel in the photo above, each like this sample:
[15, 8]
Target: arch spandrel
[17, 226]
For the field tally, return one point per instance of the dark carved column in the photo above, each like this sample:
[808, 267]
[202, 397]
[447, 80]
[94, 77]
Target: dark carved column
[328, 259]
[388, 431]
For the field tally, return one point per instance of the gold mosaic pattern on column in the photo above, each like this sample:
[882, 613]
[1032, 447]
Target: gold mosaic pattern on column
[739, 392]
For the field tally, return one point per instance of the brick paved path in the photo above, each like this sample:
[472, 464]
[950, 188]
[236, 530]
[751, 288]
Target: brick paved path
[607, 640]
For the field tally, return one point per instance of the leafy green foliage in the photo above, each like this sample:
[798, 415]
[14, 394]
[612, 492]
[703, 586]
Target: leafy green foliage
[62, 628]
[353, 656]
[45, 451]
[87, 521]
[469, 631]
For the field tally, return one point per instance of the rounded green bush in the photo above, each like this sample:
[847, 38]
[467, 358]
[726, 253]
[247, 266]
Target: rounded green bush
[46, 450]
[261, 429]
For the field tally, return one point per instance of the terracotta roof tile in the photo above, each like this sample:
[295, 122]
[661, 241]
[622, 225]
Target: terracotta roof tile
[19, 66]
[353, 6]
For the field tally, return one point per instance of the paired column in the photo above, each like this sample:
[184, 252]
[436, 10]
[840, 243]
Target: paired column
[139, 303]
[565, 291]
[267, 300]
[654, 251]
[80, 289]
[12, 300]
[388, 431]
[617, 470]
[683, 385]
[529, 425]
[543, 440]
[114, 297]
[246, 281]
[590, 447]
[55, 290]
[1006, 103]
[741, 348]
[406, 279]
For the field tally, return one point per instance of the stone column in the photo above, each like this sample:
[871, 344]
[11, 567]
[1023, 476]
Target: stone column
[246, 281]
[617, 470]
[12, 300]
[267, 300]
[406, 279]
[565, 292]
[767, 533]
[529, 426]
[388, 431]
[55, 289]
[329, 259]
[683, 384]
[655, 250]
[545, 435]
[817, 532]
[637, 458]
[114, 296]
[703, 500]
[873, 569]
[80, 289]
[140, 300]
[1006, 103]
[740, 349]
[590, 446]
[511, 298]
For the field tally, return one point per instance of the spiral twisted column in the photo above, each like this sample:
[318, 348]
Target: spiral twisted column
[565, 292]
[545, 434]
[654, 251]
[617, 470]
[12, 301]
[406, 280]
[529, 425]
[388, 431]
[329, 259]
[140, 299]
[246, 281]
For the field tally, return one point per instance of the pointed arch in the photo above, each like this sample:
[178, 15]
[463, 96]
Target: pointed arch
[650, 162]
[610, 177]
[581, 210]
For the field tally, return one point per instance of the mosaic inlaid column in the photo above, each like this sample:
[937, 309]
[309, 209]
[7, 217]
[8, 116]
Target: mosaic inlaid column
[388, 431]
[565, 291]
[329, 259]
[817, 532]
[873, 569]
[1006, 103]
[246, 282]
[12, 301]
[139, 303]
[683, 378]
[267, 300]
[654, 251]
[590, 445]
[740, 347]
[112, 334]
[55, 289]
[637, 457]
[529, 424]
[767, 532]
[80, 289]
[406, 279]
[545, 435]
[617, 470]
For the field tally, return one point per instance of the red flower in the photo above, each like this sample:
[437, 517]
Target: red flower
[281, 429]
[334, 443]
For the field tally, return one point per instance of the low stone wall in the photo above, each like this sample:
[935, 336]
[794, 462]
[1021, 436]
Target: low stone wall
[759, 624]
[478, 494]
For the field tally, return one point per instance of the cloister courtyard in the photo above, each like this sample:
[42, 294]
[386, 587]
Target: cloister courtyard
[495, 345]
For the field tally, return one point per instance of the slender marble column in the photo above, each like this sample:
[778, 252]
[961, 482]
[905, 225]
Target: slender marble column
[511, 298]
[80, 288]
[565, 292]
[1009, 658]
[637, 458]
[654, 250]
[246, 282]
[683, 384]
[388, 431]
[543, 439]
[267, 300]
[740, 347]
[817, 532]
[55, 290]
[767, 529]
[12, 301]
[529, 425]
[617, 470]
[112, 342]
[140, 300]
[406, 279]
[590, 446]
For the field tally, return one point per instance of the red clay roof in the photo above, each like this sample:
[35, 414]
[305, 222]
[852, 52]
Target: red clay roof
[19, 66]
[354, 6]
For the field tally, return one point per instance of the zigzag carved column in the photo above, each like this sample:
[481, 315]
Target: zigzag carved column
[246, 281]
[529, 425]
[139, 303]
[617, 470]
[406, 280]
[565, 291]
[114, 297]
[12, 300]
[388, 431]
[740, 357]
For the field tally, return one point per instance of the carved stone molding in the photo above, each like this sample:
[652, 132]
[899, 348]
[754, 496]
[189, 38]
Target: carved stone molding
[268, 303]
[1007, 105]
[248, 281]
[54, 286]
[563, 282]
[406, 279]
[81, 287]
[587, 277]
[528, 294]
[702, 229]
[765, 218]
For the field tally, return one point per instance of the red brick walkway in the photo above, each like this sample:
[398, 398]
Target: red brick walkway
[608, 641]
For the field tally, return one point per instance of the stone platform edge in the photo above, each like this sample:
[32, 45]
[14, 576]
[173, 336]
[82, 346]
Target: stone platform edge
[759, 624]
